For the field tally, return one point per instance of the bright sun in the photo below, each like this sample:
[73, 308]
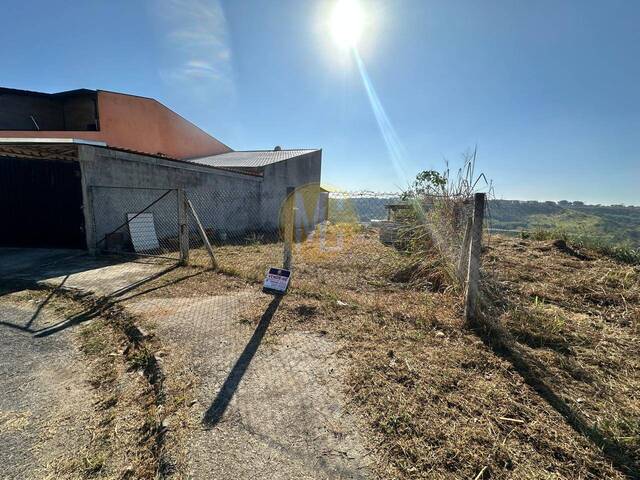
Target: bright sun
[346, 23]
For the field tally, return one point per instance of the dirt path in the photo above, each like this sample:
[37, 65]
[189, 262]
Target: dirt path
[45, 402]
[262, 406]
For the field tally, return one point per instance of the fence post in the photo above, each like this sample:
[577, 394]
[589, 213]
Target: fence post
[184, 227]
[475, 250]
[288, 217]
[463, 261]
[203, 234]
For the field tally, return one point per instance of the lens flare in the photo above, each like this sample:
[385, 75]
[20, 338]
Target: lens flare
[346, 23]
[389, 135]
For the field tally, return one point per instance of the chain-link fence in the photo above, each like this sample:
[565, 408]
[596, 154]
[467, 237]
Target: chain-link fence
[413, 225]
[136, 221]
[237, 231]
[424, 239]
[352, 253]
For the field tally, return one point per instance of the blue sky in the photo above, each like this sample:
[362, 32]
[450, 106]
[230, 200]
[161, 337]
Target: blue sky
[549, 90]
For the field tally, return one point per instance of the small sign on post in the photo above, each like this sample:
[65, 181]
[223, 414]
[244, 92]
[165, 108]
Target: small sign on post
[276, 281]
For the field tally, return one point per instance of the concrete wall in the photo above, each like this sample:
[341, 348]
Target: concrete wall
[146, 178]
[231, 205]
[52, 113]
[80, 113]
[145, 125]
[303, 173]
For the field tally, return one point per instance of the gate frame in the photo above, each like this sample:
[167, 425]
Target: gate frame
[95, 250]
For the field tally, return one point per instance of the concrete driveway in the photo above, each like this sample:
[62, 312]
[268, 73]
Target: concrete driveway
[77, 269]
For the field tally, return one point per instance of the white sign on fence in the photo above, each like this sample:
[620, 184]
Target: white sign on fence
[276, 281]
[143, 232]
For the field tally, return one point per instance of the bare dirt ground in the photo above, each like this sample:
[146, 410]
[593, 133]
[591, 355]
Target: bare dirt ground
[259, 406]
[46, 400]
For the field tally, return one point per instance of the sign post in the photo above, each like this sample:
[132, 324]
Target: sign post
[288, 219]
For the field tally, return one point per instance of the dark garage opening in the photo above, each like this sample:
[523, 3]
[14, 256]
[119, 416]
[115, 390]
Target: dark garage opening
[41, 203]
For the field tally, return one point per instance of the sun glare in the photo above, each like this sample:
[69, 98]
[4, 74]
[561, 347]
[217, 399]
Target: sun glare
[346, 23]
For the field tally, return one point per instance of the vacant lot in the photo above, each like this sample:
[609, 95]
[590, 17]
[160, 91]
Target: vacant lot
[550, 394]
[366, 369]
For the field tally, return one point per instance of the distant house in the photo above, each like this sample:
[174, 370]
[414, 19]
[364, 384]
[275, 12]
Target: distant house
[55, 149]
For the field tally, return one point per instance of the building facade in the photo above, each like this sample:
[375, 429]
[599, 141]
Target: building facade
[70, 188]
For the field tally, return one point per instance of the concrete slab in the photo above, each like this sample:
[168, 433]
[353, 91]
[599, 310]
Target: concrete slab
[77, 269]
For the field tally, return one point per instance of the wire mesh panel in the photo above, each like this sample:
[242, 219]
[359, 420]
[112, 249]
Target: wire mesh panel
[393, 235]
[367, 235]
[137, 221]
[242, 227]
[425, 223]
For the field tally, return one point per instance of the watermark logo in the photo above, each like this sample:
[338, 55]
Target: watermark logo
[318, 219]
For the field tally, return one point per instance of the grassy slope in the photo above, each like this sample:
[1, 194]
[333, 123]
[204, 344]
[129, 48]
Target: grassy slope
[440, 400]
[620, 225]
[569, 321]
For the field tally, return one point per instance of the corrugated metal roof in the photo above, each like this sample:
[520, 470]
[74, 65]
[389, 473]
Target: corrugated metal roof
[251, 159]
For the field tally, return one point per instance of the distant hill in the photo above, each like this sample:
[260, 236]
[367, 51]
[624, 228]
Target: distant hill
[615, 223]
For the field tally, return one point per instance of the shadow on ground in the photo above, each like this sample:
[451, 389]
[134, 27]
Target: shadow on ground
[22, 269]
[215, 412]
[534, 372]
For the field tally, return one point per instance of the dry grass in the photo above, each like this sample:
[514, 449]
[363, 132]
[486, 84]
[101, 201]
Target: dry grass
[441, 401]
[125, 425]
[574, 318]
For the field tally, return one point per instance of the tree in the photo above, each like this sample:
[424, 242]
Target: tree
[427, 182]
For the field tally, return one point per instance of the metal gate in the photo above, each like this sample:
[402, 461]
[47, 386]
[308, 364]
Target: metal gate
[41, 203]
[136, 221]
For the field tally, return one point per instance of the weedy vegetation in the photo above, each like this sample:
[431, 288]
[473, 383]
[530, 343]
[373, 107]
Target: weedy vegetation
[586, 241]
[544, 386]
[125, 439]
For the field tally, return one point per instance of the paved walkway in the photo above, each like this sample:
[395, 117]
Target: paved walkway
[265, 407]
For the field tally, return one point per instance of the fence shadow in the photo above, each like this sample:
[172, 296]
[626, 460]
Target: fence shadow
[214, 413]
[503, 344]
[27, 266]
[9, 286]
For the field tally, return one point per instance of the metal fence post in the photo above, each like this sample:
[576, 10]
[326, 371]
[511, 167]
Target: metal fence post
[475, 250]
[288, 218]
[183, 226]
